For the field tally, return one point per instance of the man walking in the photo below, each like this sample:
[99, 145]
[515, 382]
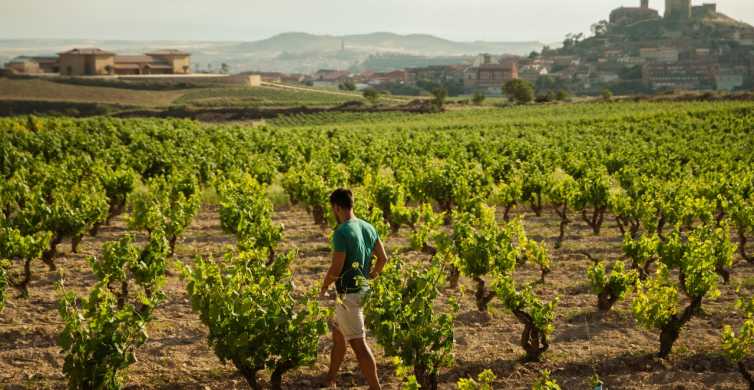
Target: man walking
[355, 242]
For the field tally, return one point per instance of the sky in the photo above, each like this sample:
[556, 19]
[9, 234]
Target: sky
[247, 20]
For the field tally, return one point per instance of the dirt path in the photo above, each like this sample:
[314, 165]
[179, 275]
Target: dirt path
[177, 356]
[325, 91]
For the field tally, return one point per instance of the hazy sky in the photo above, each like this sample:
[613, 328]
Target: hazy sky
[243, 20]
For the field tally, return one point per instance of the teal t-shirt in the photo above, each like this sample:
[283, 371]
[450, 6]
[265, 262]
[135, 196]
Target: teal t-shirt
[356, 238]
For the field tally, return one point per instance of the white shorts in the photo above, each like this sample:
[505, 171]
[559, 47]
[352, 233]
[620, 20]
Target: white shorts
[349, 317]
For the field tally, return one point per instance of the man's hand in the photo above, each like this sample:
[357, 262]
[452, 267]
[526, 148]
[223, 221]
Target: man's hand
[338, 258]
[379, 252]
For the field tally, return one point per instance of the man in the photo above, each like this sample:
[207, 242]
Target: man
[355, 242]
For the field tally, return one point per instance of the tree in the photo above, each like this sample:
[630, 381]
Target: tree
[600, 28]
[168, 204]
[697, 256]
[536, 315]
[400, 311]
[478, 98]
[371, 95]
[224, 68]
[519, 90]
[481, 247]
[738, 347]
[593, 193]
[439, 94]
[347, 85]
[246, 212]
[102, 333]
[610, 287]
[563, 191]
[255, 321]
[15, 246]
[571, 40]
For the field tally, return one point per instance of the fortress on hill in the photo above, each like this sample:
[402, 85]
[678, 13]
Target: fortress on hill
[676, 11]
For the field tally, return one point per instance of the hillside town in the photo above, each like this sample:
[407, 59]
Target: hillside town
[635, 50]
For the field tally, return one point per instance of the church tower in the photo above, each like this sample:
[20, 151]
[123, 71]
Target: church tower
[678, 10]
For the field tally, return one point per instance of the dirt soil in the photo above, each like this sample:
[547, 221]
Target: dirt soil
[177, 356]
[45, 90]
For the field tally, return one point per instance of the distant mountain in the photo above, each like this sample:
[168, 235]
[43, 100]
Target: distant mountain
[290, 52]
[416, 44]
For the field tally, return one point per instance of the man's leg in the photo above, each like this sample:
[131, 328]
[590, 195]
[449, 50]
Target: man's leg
[366, 362]
[336, 356]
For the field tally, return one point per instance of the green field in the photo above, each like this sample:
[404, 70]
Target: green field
[264, 97]
[198, 97]
[608, 241]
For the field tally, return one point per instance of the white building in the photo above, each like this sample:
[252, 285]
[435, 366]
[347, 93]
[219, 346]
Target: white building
[659, 54]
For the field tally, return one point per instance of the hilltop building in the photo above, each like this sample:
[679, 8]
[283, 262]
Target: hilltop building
[98, 62]
[677, 10]
[630, 15]
[682, 11]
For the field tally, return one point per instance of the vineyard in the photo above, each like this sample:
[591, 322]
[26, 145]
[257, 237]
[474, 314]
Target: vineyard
[530, 247]
[265, 96]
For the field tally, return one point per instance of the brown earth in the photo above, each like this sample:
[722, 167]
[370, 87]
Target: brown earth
[45, 90]
[177, 356]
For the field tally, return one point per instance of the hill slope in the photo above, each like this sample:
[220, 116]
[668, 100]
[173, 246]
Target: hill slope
[418, 44]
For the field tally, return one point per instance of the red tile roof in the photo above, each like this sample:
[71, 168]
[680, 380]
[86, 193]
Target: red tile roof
[88, 51]
[170, 52]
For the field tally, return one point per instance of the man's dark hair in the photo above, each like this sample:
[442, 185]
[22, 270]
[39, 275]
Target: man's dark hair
[342, 197]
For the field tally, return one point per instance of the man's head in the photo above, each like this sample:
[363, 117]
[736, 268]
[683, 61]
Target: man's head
[341, 201]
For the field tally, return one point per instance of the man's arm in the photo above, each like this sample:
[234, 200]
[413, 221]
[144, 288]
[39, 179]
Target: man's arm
[336, 266]
[379, 252]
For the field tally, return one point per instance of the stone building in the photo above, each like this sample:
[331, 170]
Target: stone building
[630, 15]
[86, 62]
[682, 11]
[439, 74]
[678, 10]
[490, 76]
[659, 54]
[97, 62]
[23, 65]
[684, 75]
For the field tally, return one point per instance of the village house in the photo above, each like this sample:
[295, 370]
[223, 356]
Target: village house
[32, 65]
[490, 76]
[683, 75]
[23, 65]
[659, 54]
[394, 77]
[439, 74]
[532, 72]
[744, 38]
[728, 79]
[330, 77]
